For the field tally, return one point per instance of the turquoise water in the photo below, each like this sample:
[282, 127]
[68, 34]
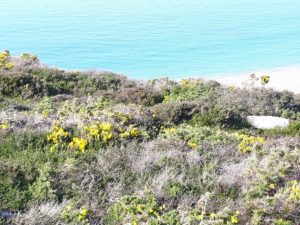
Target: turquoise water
[153, 38]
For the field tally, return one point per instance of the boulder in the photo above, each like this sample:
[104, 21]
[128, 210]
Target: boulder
[268, 122]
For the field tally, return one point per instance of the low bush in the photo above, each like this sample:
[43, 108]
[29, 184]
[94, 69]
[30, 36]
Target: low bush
[136, 210]
[191, 89]
[293, 129]
[174, 113]
[272, 193]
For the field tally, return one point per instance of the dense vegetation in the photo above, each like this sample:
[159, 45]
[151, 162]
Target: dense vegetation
[99, 148]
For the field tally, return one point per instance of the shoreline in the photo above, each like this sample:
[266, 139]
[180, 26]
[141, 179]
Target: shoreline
[283, 78]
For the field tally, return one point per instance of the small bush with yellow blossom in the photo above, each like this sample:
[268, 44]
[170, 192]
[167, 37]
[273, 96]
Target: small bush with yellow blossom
[5, 60]
[247, 142]
[136, 210]
[72, 214]
[57, 137]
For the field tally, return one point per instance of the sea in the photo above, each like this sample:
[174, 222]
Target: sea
[147, 39]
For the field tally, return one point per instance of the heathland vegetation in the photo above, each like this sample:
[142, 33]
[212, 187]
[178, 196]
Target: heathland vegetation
[99, 148]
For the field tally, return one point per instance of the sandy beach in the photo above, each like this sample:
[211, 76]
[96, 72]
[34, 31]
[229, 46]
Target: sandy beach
[285, 78]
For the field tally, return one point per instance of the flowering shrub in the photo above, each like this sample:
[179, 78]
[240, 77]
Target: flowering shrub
[103, 133]
[131, 133]
[73, 215]
[234, 218]
[283, 222]
[223, 217]
[194, 136]
[294, 189]
[190, 89]
[100, 131]
[5, 62]
[247, 142]
[265, 79]
[78, 144]
[58, 135]
[136, 210]
[46, 106]
[29, 58]
[270, 194]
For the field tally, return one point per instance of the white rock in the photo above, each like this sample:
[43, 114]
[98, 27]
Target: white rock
[268, 122]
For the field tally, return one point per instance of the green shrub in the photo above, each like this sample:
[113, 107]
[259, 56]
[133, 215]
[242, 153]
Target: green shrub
[283, 222]
[174, 113]
[271, 190]
[225, 118]
[49, 82]
[29, 58]
[11, 196]
[194, 136]
[75, 215]
[136, 210]
[293, 129]
[42, 189]
[190, 90]
[136, 95]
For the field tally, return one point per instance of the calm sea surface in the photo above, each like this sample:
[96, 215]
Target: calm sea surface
[153, 38]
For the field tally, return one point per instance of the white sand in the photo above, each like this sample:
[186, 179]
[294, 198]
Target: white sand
[285, 78]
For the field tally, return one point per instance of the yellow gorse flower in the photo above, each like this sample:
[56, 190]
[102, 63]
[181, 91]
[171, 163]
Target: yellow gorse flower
[125, 135]
[170, 131]
[139, 208]
[80, 217]
[78, 144]
[9, 65]
[199, 217]
[93, 131]
[45, 113]
[234, 218]
[84, 211]
[4, 126]
[82, 214]
[57, 135]
[103, 131]
[5, 60]
[4, 55]
[190, 82]
[134, 132]
[247, 142]
[192, 144]
[106, 126]
[265, 79]
[295, 190]
[106, 135]
[184, 82]
[131, 132]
